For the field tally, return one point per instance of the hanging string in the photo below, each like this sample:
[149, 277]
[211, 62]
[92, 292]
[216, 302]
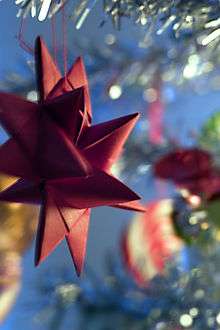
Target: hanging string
[54, 39]
[23, 44]
[64, 32]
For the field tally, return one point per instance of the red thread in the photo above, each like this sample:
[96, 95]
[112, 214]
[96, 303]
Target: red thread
[23, 44]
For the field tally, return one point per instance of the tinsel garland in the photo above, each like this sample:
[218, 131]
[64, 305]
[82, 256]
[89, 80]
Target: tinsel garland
[185, 296]
[195, 23]
[182, 15]
[191, 15]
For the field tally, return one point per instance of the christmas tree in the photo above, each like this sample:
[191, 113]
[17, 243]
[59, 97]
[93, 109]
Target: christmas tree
[110, 132]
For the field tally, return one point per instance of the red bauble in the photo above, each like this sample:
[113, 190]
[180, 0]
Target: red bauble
[150, 241]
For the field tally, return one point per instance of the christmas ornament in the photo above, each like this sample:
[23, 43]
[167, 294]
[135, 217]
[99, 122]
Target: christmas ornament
[17, 228]
[191, 219]
[64, 162]
[150, 241]
[191, 169]
[55, 85]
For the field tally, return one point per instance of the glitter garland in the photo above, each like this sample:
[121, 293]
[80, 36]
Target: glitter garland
[184, 16]
[195, 23]
[186, 296]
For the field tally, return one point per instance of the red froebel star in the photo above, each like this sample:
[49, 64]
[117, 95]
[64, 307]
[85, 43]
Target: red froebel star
[51, 84]
[64, 162]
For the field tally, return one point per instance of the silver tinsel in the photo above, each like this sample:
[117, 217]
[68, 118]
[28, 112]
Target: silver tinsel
[186, 296]
[195, 23]
[183, 15]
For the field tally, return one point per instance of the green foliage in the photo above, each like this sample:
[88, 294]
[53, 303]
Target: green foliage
[213, 210]
[210, 136]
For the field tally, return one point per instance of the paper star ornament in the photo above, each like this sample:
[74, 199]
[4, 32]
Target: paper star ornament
[63, 162]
